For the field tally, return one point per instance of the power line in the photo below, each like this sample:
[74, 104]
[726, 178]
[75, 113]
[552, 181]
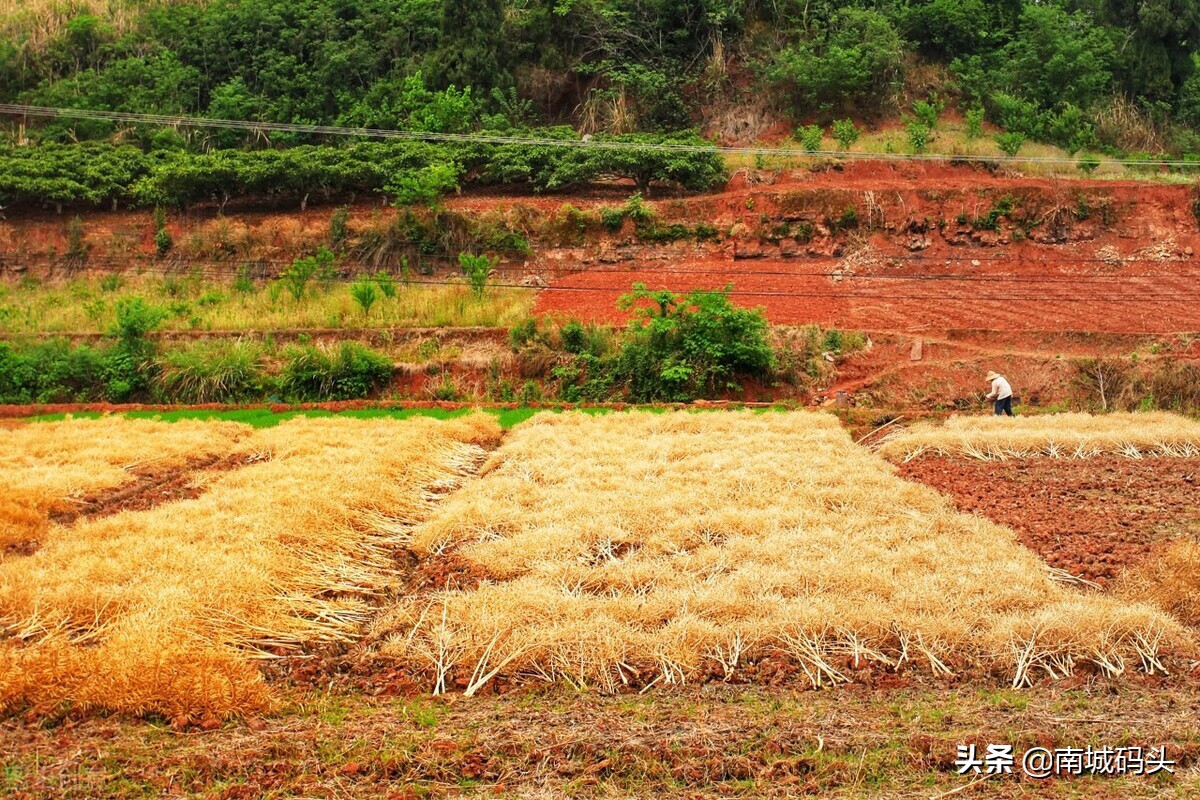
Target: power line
[732, 273]
[13, 109]
[1140, 298]
[222, 270]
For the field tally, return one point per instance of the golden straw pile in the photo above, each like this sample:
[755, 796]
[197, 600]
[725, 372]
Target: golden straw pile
[647, 548]
[1170, 580]
[162, 610]
[48, 467]
[1054, 435]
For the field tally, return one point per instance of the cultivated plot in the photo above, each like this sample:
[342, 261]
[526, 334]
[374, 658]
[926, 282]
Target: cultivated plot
[652, 549]
[51, 468]
[163, 610]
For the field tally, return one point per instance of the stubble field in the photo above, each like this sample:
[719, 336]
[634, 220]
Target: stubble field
[697, 604]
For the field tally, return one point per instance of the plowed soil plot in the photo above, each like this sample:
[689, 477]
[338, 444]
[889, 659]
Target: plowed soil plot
[1091, 517]
[1024, 294]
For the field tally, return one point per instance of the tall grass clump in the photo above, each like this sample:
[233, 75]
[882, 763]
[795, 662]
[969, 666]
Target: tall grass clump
[167, 610]
[213, 372]
[650, 549]
[346, 371]
[1055, 435]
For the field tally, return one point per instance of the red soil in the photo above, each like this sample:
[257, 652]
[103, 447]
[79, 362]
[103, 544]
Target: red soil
[1089, 255]
[1092, 517]
[792, 294]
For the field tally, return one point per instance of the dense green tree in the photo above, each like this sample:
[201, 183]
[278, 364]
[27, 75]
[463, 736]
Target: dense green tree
[469, 53]
[848, 64]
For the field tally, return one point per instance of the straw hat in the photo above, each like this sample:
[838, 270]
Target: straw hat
[991, 376]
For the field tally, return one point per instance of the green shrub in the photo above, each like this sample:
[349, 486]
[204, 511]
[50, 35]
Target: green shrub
[612, 219]
[386, 283]
[677, 348]
[637, 210]
[846, 133]
[918, 136]
[531, 392]
[163, 241]
[303, 270]
[135, 319]
[447, 391]
[348, 371]
[244, 282]
[50, 372]
[974, 120]
[77, 248]
[927, 112]
[162, 237]
[339, 227]
[810, 138]
[1010, 143]
[477, 269]
[574, 337]
[1088, 164]
[854, 61]
[212, 372]
[523, 333]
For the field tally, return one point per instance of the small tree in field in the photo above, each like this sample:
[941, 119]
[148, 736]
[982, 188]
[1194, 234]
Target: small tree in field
[477, 269]
[365, 294]
[974, 118]
[296, 277]
[918, 136]
[1010, 143]
[810, 138]
[927, 112]
[846, 133]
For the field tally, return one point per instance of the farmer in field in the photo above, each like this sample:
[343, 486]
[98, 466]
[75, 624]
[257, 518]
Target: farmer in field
[1001, 394]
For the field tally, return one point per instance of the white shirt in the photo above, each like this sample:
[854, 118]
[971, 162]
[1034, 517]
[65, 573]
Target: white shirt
[1000, 388]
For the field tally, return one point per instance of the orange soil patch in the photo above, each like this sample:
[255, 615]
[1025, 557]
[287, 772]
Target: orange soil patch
[1091, 517]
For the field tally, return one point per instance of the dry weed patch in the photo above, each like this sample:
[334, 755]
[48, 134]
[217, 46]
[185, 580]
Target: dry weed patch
[650, 549]
[1055, 435]
[47, 467]
[163, 610]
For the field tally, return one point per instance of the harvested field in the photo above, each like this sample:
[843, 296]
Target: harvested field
[656, 549]
[52, 468]
[1054, 435]
[1093, 518]
[163, 610]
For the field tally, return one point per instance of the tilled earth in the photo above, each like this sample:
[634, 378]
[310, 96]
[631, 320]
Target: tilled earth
[1092, 517]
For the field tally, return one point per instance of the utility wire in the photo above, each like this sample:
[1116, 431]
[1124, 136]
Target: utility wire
[654, 270]
[19, 110]
[974, 297]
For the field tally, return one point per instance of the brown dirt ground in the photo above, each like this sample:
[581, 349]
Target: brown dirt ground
[701, 742]
[1091, 517]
